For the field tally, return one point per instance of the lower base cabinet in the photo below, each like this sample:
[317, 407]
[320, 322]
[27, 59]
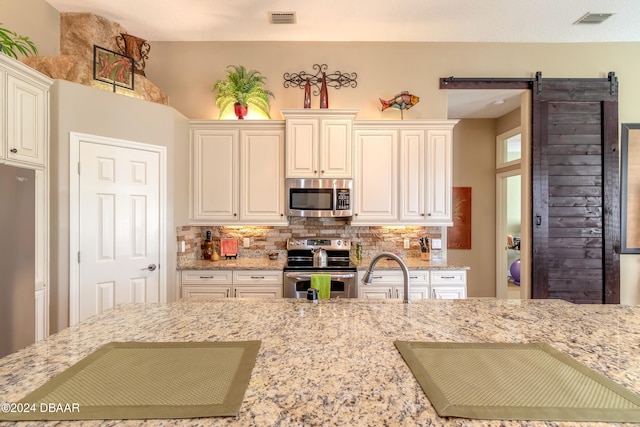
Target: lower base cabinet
[425, 284]
[231, 284]
[390, 285]
[449, 284]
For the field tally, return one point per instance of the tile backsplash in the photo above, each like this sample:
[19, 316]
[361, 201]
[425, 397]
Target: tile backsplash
[267, 239]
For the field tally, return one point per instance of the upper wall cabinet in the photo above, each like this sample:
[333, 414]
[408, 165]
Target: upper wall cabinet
[319, 143]
[403, 172]
[24, 122]
[237, 173]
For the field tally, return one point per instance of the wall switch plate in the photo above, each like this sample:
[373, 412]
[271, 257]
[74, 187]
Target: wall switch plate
[436, 243]
[407, 243]
[183, 246]
[246, 242]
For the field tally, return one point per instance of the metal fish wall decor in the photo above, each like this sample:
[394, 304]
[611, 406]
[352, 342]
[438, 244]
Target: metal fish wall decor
[402, 101]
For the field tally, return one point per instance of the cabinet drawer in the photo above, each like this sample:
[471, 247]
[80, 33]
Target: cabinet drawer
[265, 292]
[448, 276]
[257, 277]
[448, 291]
[205, 291]
[388, 278]
[206, 277]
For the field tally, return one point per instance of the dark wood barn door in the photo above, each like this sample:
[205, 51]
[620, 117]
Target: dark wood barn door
[575, 170]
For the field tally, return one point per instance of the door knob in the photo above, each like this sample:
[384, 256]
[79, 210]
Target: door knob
[151, 267]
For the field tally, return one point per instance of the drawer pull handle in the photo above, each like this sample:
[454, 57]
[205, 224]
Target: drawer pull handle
[257, 277]
[414, 277]
[206, 277]
[447, 277]
[377, 277]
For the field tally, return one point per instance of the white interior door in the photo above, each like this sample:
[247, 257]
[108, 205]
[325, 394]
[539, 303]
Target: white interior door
[120, 222]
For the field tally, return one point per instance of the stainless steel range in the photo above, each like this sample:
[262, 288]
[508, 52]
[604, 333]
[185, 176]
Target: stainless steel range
[300, 267]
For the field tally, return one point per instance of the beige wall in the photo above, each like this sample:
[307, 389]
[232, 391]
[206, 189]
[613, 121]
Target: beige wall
[474, 159]
[187, 72]
[78, 108]
[508, 122]
[35, 19]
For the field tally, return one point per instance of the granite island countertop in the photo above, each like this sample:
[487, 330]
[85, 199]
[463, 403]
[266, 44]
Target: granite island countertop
[334, 363]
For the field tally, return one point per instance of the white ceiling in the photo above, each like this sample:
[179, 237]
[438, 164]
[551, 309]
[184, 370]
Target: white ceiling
[368, 20]
[548, 21]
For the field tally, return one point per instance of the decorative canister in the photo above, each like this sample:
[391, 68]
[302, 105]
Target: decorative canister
[207, 246]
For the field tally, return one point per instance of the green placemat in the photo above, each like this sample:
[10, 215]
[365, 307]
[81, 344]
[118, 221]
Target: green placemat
[145, 380]
[515, 382]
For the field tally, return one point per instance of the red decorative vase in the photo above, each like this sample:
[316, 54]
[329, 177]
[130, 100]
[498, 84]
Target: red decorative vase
[324, 96]
[240, 110]
[307, 94]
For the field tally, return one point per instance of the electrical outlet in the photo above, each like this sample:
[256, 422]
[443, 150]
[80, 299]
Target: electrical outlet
[183, 246]
[407, 243]
[436, 243]
[246, 242]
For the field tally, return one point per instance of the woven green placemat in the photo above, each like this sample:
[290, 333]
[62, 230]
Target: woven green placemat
[510, 381]
[137, 380]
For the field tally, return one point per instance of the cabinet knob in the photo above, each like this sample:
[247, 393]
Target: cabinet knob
[14, 150]
[235, 214]
[321, 172]
[429, 214]
[315, 172]
[422, 214]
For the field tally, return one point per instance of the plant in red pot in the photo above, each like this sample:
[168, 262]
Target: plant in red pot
[242, 88]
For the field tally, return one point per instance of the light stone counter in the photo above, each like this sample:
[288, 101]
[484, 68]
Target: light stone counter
[234, 264]
[413, 264]
[267, 264]
[334, 363]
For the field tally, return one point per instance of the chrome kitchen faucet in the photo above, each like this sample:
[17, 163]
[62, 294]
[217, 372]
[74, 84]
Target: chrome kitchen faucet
[367, 278]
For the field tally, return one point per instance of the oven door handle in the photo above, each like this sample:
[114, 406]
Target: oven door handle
[298, 276]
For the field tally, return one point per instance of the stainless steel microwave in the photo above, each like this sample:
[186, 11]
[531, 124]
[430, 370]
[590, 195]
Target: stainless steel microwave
[319, 197]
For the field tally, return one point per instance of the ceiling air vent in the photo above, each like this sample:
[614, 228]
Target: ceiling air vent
[593, 18]
[282, 17]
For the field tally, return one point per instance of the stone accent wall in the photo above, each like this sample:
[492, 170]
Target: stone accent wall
[266, 239]
[78, 33]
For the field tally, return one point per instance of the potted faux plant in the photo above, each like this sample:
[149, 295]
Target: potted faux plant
[12, 43]
[240, 89]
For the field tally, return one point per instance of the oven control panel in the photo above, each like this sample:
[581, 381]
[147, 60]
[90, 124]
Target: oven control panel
[329, 244]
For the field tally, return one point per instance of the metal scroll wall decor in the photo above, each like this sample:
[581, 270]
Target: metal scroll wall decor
[136, 48]
[320, 80]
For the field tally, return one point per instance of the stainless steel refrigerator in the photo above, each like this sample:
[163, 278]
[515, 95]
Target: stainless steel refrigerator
[17, 258]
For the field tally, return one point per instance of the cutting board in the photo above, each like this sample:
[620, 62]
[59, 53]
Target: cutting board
[228, 247]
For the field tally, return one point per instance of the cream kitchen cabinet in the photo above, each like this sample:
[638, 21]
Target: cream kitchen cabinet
[389, 284]
[24, 142]
[319, 143]
[448, 284]
[237, 173]
[25, 114]
[425, 284]
[257, 284]
[403, 172]
[376, 176]
[425, 174]
[231, 283]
